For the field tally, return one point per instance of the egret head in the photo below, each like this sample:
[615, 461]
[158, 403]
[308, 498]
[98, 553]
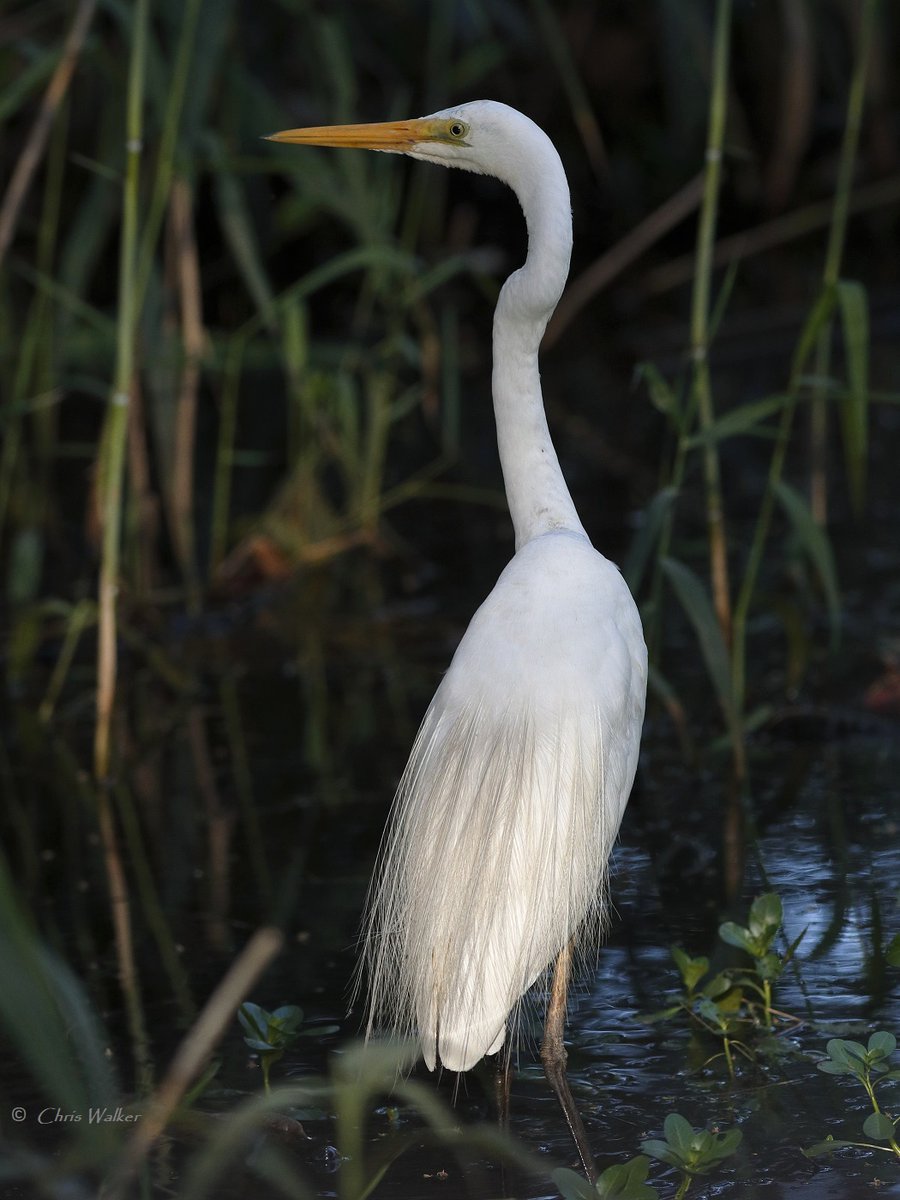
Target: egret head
[482, 136]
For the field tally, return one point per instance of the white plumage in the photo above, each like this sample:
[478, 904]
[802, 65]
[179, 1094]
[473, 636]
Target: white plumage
[501, 831]
[497, 846]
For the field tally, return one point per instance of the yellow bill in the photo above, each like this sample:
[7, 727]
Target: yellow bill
[399, 136]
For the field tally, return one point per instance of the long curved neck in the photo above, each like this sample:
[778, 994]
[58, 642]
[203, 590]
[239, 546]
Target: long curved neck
[536, 491]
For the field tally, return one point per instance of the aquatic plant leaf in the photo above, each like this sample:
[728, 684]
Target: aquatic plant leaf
[723, 1145]
[286, 1020]
[769, 966]
[691, 970]
[319, 1031]
[572, 1186]
[692, 1151]
[663, 1014]
[710, 1011]
[257, 1044]
[833, 1068]
[661, 1151]
[827, 1147]
[729, 1000]
[253, 1020]
[792, 948]
[882, 1043]
[878, 1126]
[718, 986]
[736, 935]
[845, 1058]
[766, 915]
[625, 1181]
[679, 1133]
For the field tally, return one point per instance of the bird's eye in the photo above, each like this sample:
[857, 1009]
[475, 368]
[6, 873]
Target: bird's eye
[457, 129]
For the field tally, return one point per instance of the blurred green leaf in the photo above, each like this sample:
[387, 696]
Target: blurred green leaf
[766, 915]
[699, 610]
[679, 1133]
[625, 1181]
[49, 1021]
[573, 1186]
[745, 419]
[692, 970]
[662, 397]
[881, 1044]
[827, 1147]
[647, 536]
[814, 540]
[879, 1126]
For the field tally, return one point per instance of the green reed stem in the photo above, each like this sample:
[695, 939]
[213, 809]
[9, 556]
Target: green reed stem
[111, 471]
[817, 332]
[165, 166]
[834, 253]
[819, 315]
[700, 315]
[112, 452]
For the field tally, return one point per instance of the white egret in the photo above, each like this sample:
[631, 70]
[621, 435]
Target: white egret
[495, 857]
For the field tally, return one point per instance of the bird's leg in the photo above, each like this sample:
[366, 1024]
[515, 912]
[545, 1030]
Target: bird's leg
[553, 1056]
[502, 1084]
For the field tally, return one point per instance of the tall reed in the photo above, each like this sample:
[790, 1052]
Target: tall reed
[816, 336]
[110, 484]
[834, 253]
[700, 315]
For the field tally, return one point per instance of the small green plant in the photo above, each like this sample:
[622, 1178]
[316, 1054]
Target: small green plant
[869, 1064]
[691, 1151]
[735, 1004]
[271, 1033]
[757, 940]
[625, 1181]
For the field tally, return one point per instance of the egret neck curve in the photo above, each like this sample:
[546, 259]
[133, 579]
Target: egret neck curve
[539, 500]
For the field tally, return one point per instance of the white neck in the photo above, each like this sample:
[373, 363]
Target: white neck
[536, 491]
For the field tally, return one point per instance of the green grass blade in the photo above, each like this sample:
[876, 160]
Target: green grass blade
[817, 547]
[641, 548]
[693, 598]
[237, 226]
[746, 419]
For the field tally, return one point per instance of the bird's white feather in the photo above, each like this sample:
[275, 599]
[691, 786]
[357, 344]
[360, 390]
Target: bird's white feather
[497, 848]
